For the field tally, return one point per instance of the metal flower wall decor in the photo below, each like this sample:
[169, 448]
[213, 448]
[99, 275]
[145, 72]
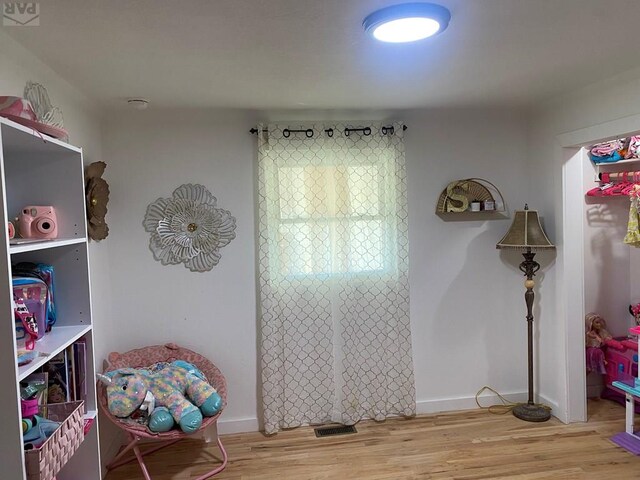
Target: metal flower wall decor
[189, 228]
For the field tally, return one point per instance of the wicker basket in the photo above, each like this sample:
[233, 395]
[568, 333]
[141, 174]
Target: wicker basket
[45, 462]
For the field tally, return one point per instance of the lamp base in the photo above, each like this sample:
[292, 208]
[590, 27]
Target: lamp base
[531, 413]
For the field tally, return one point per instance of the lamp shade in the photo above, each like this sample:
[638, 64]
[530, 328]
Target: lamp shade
[526, 233]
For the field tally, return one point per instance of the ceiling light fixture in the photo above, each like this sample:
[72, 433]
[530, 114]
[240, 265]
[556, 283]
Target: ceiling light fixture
[407, 22]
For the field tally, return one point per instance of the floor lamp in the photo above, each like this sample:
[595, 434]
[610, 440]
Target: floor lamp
[526, 234]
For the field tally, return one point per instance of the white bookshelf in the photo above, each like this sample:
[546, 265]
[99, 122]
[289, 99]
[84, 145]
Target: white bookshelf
[37, 170]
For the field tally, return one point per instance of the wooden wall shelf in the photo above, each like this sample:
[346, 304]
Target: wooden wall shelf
[457, 198]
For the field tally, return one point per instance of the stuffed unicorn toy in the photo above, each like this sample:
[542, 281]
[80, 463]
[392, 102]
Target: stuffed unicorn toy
[176, 391]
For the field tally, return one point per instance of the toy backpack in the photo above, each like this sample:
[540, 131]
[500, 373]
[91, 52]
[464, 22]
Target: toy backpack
[32, 282]
[32, 293]
[26, 325]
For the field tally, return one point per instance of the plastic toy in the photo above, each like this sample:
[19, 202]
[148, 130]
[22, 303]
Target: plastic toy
[26, 325]
[634, 310]
[178, 386]
[25, 357]
[36, 431]
[629, 439]
[38, 222]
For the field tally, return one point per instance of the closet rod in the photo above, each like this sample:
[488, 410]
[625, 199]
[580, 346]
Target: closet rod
[608, 176]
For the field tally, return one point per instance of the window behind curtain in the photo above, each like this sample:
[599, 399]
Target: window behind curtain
[333, 217]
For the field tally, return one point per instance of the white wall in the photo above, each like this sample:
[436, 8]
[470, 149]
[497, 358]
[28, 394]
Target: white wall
[82, 121]
[467, 307]
[467, 303]
[609, 265]
[149, 155]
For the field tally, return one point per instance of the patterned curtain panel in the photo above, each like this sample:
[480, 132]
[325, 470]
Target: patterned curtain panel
[333, 261]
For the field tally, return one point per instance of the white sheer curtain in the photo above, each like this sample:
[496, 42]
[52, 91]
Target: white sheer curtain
[333, 276]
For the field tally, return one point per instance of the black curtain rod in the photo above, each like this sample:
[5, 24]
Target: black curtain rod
[329, 131]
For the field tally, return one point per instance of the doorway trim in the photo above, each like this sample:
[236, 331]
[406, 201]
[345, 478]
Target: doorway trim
[571, 281]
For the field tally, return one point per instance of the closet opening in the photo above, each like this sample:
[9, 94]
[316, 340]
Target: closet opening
[611, 239]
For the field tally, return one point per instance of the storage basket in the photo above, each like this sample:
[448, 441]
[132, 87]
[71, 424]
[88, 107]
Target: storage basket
[45, 462]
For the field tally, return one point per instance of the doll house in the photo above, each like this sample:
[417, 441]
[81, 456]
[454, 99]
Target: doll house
[630, 385]
[621, 366]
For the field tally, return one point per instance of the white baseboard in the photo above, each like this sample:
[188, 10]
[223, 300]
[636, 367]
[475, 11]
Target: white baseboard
[240, 425]
[555, 408]
[466, 403]
[486, 400]
[249, 424]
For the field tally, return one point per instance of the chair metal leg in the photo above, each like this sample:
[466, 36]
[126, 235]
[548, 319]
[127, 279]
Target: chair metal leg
[140, 458]
[116, 462]
[139, 455]
[218, 469]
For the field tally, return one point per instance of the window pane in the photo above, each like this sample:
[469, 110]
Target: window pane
[304, 249]
[366, 246]
[305, 191]
[364, 189]
[292, 192]
[326, 213]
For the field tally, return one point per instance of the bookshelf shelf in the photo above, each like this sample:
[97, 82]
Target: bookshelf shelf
[37, 170]
[44, 245]
[53, 343]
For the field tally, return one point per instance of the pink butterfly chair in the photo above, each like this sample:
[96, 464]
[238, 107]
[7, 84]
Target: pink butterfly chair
[144, 357]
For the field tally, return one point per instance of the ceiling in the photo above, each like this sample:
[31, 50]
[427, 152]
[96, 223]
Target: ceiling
[313, 54]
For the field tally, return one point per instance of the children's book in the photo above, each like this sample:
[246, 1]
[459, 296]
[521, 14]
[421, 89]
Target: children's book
[80, 362]
[71, 373]
[58, 370]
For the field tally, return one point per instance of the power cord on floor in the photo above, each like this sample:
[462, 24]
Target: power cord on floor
[505, 407]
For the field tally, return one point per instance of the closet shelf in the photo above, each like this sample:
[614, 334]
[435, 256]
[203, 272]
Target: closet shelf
[629, 165]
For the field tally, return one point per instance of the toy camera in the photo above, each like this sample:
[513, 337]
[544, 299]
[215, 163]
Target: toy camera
[38, 222]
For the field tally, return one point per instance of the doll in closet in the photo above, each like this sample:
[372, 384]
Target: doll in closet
[597, 338]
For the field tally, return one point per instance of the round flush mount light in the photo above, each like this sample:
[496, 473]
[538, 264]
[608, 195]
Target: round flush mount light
[407, 22]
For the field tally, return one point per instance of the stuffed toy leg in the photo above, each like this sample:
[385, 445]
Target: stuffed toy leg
[160, 420]
[203, 395]
[185, 413]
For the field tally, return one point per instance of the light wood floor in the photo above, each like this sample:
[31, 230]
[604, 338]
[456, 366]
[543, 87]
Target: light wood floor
[461, 445]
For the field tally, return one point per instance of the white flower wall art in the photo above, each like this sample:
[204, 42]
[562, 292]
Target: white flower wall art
[189, 228]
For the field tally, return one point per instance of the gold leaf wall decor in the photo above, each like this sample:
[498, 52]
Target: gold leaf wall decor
[97, 197]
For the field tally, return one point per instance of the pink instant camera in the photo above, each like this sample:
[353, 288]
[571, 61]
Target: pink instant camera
[38, 222]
